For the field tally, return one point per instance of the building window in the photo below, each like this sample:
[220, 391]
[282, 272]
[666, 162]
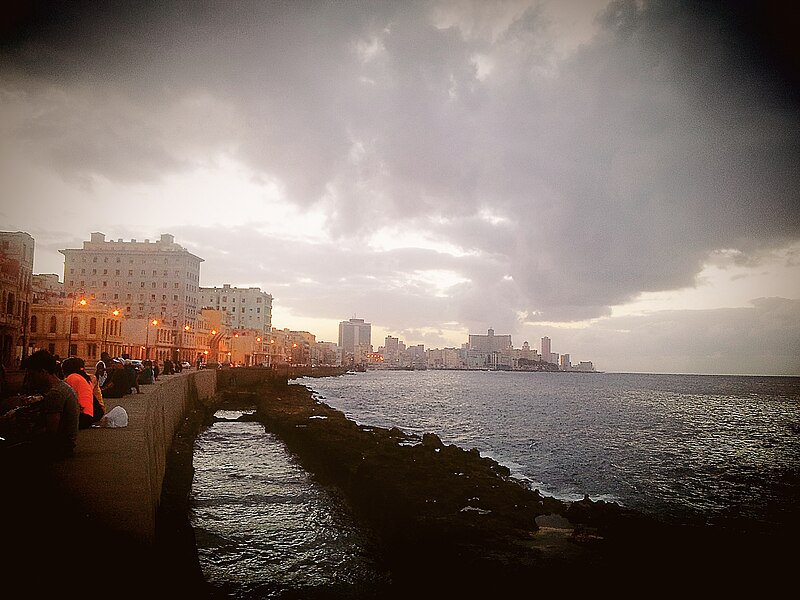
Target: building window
[34, 323]
[93, 325]
[53, 324]
[75, 326]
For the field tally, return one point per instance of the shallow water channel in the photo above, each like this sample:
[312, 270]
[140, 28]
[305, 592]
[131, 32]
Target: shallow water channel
[265, 529]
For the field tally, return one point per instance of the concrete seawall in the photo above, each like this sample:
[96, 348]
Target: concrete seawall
[116, 474]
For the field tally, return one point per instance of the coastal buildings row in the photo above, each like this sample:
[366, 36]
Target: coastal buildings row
[140, 298]
[490, 351]
[144, 299]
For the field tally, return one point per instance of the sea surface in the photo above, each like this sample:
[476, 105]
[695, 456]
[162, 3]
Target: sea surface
[718, 451]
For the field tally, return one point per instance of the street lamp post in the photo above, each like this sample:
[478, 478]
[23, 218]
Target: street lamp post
[184, 338]
[154, 322]
[82, 302]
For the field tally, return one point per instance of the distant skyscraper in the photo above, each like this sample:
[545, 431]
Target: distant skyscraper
[354, 334]
[546, 348]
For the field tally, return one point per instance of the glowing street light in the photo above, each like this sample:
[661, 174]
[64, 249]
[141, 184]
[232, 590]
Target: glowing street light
[186, 329]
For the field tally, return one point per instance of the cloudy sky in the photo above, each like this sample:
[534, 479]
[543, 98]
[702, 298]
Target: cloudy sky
[621, 177]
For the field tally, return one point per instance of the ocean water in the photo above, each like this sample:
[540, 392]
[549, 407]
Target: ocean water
[720, 451]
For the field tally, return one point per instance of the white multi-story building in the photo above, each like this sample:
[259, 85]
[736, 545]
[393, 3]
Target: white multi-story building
[546, 348]
[444, 358]
[490, 342]
[355, 340]
[142, 279]
[249, 308]
[393, 348]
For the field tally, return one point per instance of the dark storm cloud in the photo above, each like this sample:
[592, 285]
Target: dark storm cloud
[573, 184]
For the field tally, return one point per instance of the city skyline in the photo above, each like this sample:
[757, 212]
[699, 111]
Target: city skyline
[619, 177]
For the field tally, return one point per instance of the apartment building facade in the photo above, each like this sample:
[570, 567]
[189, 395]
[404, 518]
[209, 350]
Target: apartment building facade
[144, 280]
[16, 295]
[249, 308]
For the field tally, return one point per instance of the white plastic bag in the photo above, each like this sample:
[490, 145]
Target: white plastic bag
[116, 417]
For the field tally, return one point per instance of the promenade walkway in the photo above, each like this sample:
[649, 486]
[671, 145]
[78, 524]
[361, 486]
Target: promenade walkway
[93, 515]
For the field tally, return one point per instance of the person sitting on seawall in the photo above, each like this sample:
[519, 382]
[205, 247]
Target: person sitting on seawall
[118, 383]
[57, 432]
[133, 377]
[146, 376]
[75, 375]
[101, 368]
[97, 392]
[168, 367]
[101, 372]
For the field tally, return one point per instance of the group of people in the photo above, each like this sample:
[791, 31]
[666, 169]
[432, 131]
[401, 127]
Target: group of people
[119, 377]
[62, 397]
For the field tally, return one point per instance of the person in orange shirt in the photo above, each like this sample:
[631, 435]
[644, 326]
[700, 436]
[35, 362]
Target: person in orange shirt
[75, 375]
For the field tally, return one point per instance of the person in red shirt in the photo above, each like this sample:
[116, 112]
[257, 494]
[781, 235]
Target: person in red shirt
[77, 378]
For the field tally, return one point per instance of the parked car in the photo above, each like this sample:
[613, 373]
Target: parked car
[185, 364]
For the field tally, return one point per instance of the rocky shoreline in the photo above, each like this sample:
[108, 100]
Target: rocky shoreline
[453, 523]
